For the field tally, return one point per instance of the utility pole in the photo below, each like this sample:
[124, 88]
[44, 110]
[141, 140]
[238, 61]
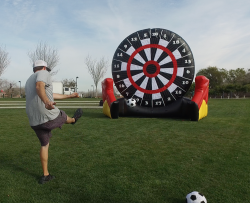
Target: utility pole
[20, 89]
[76, 83]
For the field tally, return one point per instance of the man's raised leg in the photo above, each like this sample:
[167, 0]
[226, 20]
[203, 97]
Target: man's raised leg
[76, 116]
[70, 120]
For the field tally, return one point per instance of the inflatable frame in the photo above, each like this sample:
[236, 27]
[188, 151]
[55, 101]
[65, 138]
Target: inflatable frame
[193, 109]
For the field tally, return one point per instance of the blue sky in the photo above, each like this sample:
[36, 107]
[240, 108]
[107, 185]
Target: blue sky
[217, 31]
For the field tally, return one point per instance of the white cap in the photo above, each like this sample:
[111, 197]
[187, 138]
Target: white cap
[39, 63]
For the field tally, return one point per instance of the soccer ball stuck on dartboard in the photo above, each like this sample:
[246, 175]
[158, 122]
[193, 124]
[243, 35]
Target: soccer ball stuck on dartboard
[131, 102]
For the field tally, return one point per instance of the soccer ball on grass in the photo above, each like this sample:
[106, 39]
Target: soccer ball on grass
[195, 197]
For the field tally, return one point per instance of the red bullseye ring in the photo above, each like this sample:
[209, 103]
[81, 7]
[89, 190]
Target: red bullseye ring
[154, 63]
[158, 68]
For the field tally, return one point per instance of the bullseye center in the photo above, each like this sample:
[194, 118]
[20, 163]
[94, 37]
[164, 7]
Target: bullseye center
[151, 69]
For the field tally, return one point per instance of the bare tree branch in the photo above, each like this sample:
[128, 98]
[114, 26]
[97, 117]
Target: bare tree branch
[69, 82]
[97, 69]
[10, 88]
[45, 52]
[4, 60]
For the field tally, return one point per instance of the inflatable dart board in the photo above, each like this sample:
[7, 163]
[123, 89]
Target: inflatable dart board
[153, 69]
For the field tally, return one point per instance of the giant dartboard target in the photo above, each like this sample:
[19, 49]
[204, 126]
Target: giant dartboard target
[153, 66]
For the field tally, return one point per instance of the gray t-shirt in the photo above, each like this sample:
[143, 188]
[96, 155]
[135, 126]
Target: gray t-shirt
[35, 108]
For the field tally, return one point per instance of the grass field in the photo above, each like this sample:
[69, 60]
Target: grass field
[125, 160]
[72, 103]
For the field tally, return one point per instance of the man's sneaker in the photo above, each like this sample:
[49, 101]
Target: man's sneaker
[45, 179]
[77, 115]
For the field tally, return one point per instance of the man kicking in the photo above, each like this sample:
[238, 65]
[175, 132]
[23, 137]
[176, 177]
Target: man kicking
[43, 115]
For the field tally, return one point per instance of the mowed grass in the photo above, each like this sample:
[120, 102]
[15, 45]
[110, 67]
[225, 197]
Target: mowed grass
[130, 159]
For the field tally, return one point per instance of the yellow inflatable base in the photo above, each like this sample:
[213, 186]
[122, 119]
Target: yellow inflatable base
[203, 110]
[106, 109]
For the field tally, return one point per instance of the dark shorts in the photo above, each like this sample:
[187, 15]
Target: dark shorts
[43, 131]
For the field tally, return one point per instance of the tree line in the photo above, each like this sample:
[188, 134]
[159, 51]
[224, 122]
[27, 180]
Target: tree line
[224, 82]
[96, 68]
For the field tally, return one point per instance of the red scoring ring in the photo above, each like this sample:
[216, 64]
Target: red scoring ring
[157, 69]
[158, 47]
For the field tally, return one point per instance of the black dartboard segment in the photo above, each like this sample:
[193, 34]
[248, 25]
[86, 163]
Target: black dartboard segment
[153, 66]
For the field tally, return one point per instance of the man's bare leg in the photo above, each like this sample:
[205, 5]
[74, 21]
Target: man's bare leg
[44, 155]
[70, 120]
[77, 115]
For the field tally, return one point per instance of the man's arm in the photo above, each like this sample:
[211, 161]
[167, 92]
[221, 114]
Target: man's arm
[63, 96]
[40, 89]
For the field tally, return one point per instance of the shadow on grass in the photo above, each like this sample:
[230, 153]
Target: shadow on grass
[98, 113]
[175, 200]
[90, 114]
[18, 167]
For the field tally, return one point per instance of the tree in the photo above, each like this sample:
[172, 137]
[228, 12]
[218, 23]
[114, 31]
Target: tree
[69, 82]
[248, 77]
[237, 76]
[4, 60]
[45, 52]
[216, 76]
[247, 87]
[233, 82]
[10, 87]
[97, 69]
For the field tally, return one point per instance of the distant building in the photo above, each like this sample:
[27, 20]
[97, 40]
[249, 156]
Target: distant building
[2, 93]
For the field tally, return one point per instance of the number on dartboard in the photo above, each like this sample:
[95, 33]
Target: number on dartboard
[117, 65]
[185, 82]
[165, 36]
[145, 34]
[119, 54]
[146, 102]
[155, 34]
[176, 42]
[137, 99]
[188, 61]
[127, 93]
[134, 39]
[121, 85]
[118, 76]
[169, 99]
[125, 46]
[158, 103]
[178, 92]
[184, 50]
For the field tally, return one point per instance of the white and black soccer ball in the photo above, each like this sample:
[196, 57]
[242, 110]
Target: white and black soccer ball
[131, 102]
[195, 197]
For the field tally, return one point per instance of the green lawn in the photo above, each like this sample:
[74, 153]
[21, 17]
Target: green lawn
[143, 160]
